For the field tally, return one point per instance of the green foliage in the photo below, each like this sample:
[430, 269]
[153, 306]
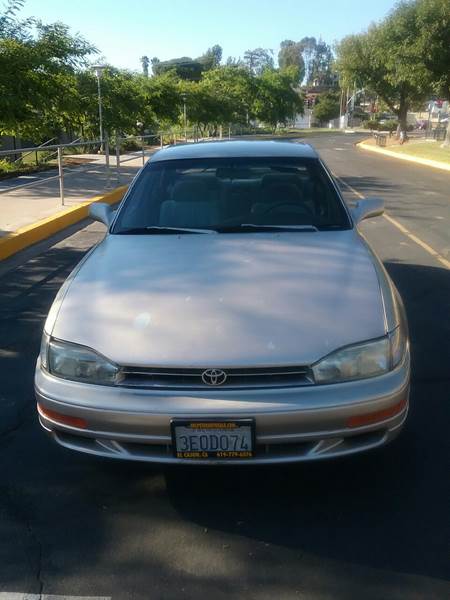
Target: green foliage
[372, 124]
[290, 55]
[404, 57]
[212, 57]
[145, 62]
[276, 100]
[6, 166]
[38, 65]
[321, 67]
[433, 42]
[184, 67]
[390, 125]
[308, 45]
[258, 60]
[326, 107]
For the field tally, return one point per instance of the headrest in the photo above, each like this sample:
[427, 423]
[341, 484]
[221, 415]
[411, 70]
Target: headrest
[271, 178]
[281, 192]
[190, 190]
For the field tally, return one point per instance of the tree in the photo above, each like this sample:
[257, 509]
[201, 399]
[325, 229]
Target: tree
[235, 62]
[145, 64]
[389, 60]
[122, 100]
[161, 100]
[234, 90]
[290, 55]
[276, 100]
[321, 64]
[38, 65]
[212, 57]
[433, 24]
[184, 67]
[308, 45]
[155, 63]
[10, 26]
[258, 60]
[326, 107]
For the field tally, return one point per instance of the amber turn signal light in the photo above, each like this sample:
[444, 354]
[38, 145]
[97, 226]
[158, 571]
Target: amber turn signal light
[60, 418]
[375, 417]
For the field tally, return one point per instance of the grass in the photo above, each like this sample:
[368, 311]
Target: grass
[11, 169]
[431, 150]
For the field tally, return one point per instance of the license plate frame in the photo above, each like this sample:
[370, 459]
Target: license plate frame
[214, 425]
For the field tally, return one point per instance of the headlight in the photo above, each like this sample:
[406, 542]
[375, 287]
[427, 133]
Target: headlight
[43, 353]
[399, 343]
[354, 362]
[77, 363]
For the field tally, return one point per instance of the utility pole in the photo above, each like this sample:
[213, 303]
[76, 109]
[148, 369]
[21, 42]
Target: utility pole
[98, 70]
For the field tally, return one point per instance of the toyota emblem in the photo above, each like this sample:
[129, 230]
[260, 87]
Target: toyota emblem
[214, 377]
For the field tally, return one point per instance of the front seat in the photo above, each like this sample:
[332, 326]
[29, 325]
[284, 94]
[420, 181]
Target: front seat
[278, 193]
[192, 204]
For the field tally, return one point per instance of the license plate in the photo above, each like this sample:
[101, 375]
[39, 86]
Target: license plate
[225, 440]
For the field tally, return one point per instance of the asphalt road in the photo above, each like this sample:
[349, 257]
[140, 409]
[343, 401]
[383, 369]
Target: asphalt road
[372, 527]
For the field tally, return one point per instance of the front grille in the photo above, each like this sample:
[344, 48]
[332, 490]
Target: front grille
[175, 378]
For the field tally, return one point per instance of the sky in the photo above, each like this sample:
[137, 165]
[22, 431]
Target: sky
[125, 30]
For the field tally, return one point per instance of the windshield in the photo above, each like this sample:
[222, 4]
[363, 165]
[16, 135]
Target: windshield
[225, 195]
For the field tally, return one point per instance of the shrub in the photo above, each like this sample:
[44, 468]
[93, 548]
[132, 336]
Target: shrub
[389, 125]
[130, 145]
[372, 125]
[6, 166]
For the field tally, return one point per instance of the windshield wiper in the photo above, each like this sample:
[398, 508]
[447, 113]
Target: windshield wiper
[156, 229]
[253, 228]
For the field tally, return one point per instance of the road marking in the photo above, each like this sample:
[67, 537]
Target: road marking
[20, 596]
[403, 229]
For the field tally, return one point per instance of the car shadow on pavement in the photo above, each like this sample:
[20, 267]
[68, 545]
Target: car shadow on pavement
[387, 509]
[368, 186]
[74, 522]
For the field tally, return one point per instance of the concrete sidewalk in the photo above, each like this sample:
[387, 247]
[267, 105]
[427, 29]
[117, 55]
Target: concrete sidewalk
[27, 205]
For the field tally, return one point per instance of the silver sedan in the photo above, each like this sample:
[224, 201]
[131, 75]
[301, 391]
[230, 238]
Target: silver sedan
[233, 313]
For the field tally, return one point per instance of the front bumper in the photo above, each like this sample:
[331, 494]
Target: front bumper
[292, 424]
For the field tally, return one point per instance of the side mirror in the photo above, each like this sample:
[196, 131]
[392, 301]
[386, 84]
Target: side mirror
[367, 208]
[100, 211]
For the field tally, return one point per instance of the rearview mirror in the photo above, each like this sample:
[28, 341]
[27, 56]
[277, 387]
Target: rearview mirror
[100, 211]
[367, 208]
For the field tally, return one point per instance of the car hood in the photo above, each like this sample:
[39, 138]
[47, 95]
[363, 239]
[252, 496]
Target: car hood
[222, 300]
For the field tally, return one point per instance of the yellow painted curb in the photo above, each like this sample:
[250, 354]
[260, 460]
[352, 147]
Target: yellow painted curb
[420, 161]
[41, 230]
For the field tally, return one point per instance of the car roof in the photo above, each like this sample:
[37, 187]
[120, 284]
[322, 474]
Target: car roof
[236, 149]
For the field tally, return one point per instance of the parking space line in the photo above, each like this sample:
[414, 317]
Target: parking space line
[403, 229]
[24, 596]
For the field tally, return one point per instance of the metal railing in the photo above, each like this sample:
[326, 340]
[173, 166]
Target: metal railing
[59, 148]
[143, 144]
[34, 152]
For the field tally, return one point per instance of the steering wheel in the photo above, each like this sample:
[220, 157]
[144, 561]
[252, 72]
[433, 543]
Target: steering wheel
[306, 209]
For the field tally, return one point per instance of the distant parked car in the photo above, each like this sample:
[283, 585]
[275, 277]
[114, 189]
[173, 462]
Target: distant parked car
[233, 313]
[385, 117]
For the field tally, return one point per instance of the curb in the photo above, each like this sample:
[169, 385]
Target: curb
[420, 161]
[41, 230]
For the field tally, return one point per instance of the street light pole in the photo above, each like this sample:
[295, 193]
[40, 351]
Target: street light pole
[98, 70]
[184, 116]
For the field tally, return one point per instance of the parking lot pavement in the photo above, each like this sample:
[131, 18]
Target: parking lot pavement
[370, 527]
